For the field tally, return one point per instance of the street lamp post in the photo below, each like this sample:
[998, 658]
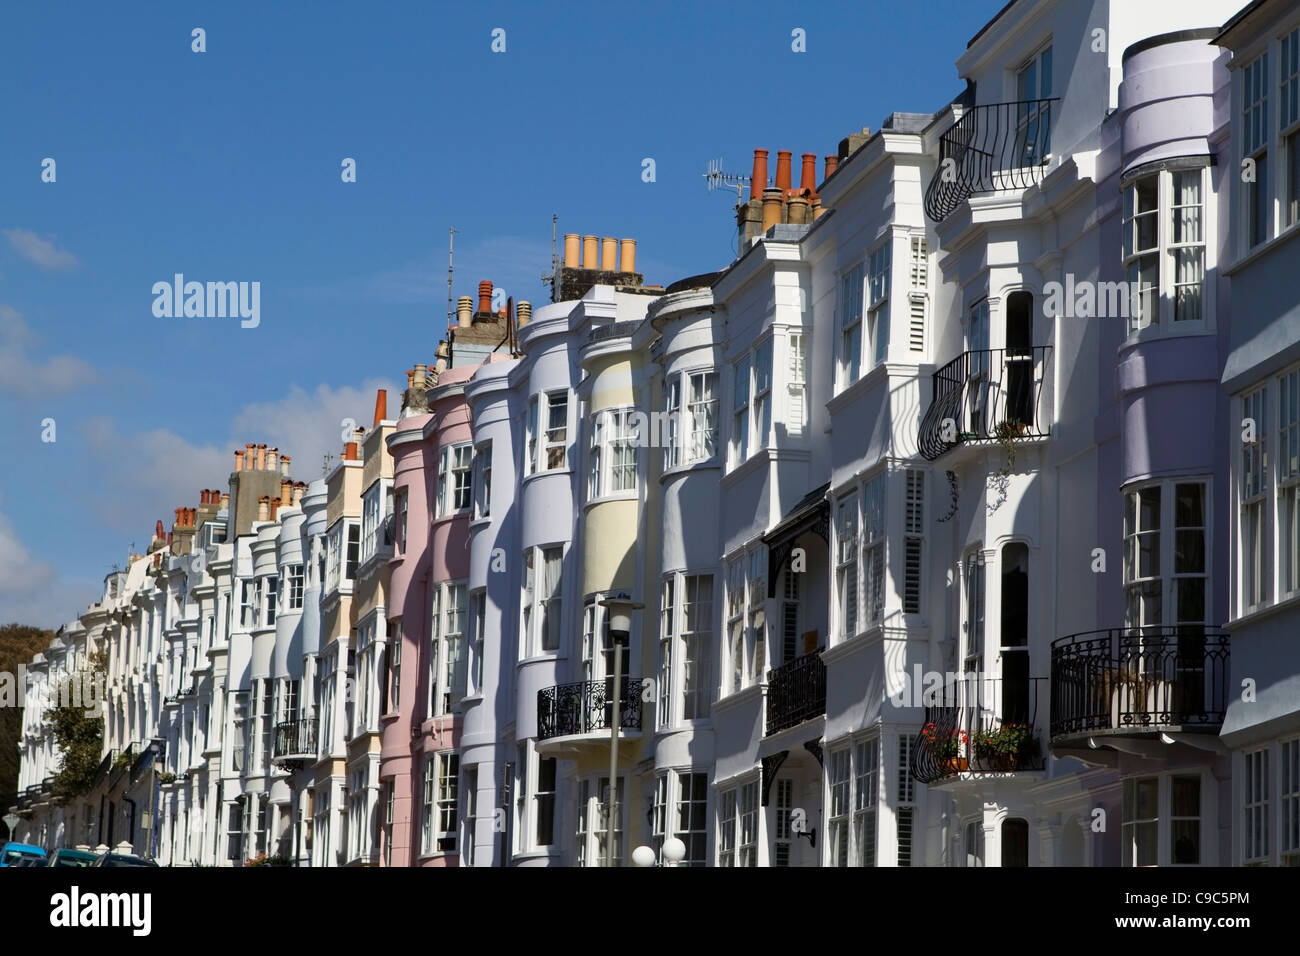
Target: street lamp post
[619, 608]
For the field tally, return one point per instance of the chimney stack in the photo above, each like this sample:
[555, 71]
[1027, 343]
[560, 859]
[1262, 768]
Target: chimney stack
[783, 171]
[771, 207]
[523, 313]
[590, 254]
[571, 250]
[758, 179]
[350, 451]
[627, 256]
[832, 164]
[608, 255]
[381, 407]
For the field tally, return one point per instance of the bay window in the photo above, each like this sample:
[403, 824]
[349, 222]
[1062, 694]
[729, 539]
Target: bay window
[454, 474]
[542, 608]
[483, 493]
[849, 315]
[612, 458]
[1258, 197]
[548, 432]
[1166, 554]
[447, 649]
[740, 412]
[846, 565]
[1256, 546]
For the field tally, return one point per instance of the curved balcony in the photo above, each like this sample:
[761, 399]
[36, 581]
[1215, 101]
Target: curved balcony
[991, 148]
[980, 727]
[295, 742]
[1129, 682]
[796, 692]
[985, 396]
[569, 715]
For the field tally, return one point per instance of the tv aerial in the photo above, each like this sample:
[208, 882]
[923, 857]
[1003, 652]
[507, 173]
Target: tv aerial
[716, 178]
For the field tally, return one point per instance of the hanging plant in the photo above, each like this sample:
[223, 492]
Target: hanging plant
[1006, 432]
[952, 489]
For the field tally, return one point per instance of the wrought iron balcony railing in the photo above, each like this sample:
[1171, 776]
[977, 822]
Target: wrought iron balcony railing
[586, 706]
[295, 739]
[1139, 680]
[986, 395]
[994, 147]
[796, 692]
[983, 725]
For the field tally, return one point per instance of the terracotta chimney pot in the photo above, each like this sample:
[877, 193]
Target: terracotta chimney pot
[571, 250]
[832, 164]
[758, 179]
[465, 311]
[808, 178]
[627, 256]
[485, 296]
[608, 254]
[783, 171]
[381, 406]
[590, 253]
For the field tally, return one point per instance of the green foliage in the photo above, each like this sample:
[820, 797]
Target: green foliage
[79, 738]
[18, 644]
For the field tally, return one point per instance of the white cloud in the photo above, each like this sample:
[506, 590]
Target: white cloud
[142, 477]
[22, 374]
[30, 591]
[42, 252]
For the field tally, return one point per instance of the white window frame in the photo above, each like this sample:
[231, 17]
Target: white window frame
[538, 608]
[447, 648]
[879, 268]
[1154, 270]
[848, 312]
[483, 480]
[1168, 578]
[613, 439]
[455, 479]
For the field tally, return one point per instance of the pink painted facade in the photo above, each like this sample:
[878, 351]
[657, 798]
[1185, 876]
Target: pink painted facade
[430, 551]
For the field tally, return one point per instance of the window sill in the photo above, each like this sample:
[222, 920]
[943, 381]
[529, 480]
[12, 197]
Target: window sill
[480, 521]
[1161, 331]
[613, 496]
[550, 472]
[540, 658]
[440, 519]
[686, 726]
[855, 390]
[753, 463]
[389, 718]
[1257, 614]
[704, 464]
[1263, 249]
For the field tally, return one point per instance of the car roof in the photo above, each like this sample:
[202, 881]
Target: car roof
[23, 848]
[79, 854]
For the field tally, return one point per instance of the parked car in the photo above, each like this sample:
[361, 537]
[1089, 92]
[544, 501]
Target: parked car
[122, 859]
[67, 857]
[20, 854]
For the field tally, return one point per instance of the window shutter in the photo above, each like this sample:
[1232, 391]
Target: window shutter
[906, 795]
[920, 276]
[914, 526]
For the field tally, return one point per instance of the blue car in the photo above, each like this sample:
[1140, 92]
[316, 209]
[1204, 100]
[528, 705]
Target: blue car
[21, 854]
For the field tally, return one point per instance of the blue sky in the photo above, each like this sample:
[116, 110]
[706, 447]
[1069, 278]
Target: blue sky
[225, 166]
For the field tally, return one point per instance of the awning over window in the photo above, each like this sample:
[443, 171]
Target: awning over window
[812, 513]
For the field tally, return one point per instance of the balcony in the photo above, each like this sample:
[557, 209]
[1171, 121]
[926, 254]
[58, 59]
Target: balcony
[796, 692]
[980, 726]
[586, 707]
[985, 396]
[1128, 682]
[295, 741]
[992, 148]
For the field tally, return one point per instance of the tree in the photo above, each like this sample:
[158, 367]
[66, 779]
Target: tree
[78, 733]
[19, 643]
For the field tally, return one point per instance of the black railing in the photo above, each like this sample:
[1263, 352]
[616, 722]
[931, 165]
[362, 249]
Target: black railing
[1139, 679]
[986, 395]
[587, 706]
[994, 147]
[796, 692]
[103, 770]
[981, 725]
[295, 739]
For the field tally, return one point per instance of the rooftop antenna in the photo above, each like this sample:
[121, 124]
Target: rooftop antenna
[325, 464]
[451, 249]
[549, 278]
[715, 178]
